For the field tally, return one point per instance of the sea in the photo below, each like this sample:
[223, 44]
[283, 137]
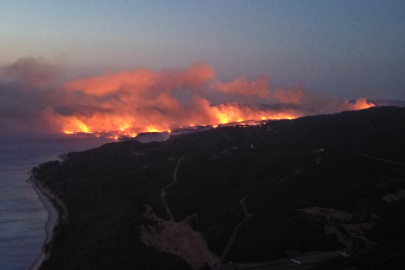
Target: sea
[22, 215]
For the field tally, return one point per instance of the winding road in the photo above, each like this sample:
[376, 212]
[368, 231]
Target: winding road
[245, 210]
[247, 214]
[383, 160]
[163, 191]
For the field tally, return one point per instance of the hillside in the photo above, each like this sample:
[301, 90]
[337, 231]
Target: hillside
[288, 189]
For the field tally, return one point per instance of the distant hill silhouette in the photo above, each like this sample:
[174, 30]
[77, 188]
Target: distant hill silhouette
[385, 102]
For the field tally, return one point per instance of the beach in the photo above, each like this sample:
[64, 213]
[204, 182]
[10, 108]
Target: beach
[23, 215]
[48, 201]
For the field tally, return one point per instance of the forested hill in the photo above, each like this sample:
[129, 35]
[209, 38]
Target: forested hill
[288, 189]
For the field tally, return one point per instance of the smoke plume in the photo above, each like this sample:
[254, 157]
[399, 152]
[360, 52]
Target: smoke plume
[134, 101]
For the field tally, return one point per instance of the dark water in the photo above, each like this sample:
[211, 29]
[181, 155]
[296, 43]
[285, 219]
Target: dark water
[22, 216]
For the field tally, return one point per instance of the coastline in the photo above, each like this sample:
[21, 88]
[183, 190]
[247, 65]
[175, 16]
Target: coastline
[56, 212]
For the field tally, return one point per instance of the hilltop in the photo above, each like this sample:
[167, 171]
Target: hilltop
[270, 195]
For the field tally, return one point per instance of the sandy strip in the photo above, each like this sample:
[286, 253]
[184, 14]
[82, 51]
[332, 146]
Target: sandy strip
[177, 238]
[53, 220]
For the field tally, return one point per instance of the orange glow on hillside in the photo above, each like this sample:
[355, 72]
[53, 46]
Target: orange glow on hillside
[128, 126]
[234, 113]
[360, 104]
[131, 102]
[114, 127]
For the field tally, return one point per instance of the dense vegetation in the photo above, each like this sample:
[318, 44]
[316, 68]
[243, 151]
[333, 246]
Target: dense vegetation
[105, 191]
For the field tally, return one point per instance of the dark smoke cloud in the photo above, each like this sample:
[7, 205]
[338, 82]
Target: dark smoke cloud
[30, 72]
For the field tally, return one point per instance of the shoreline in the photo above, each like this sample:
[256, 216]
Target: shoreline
[51, 205]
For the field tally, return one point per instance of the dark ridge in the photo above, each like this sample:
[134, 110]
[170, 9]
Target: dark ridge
[351, 163]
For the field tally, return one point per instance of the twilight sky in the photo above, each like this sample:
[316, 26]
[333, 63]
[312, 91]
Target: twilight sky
[340, 49]
[343, 48]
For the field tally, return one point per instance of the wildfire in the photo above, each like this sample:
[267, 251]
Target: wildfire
[107, 126]
[127, 103]
[153, 129]
[115, 127]
[130, 102]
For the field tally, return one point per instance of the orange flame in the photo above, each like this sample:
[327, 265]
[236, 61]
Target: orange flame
[127, 125]
[222, 114]
[131, 102]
